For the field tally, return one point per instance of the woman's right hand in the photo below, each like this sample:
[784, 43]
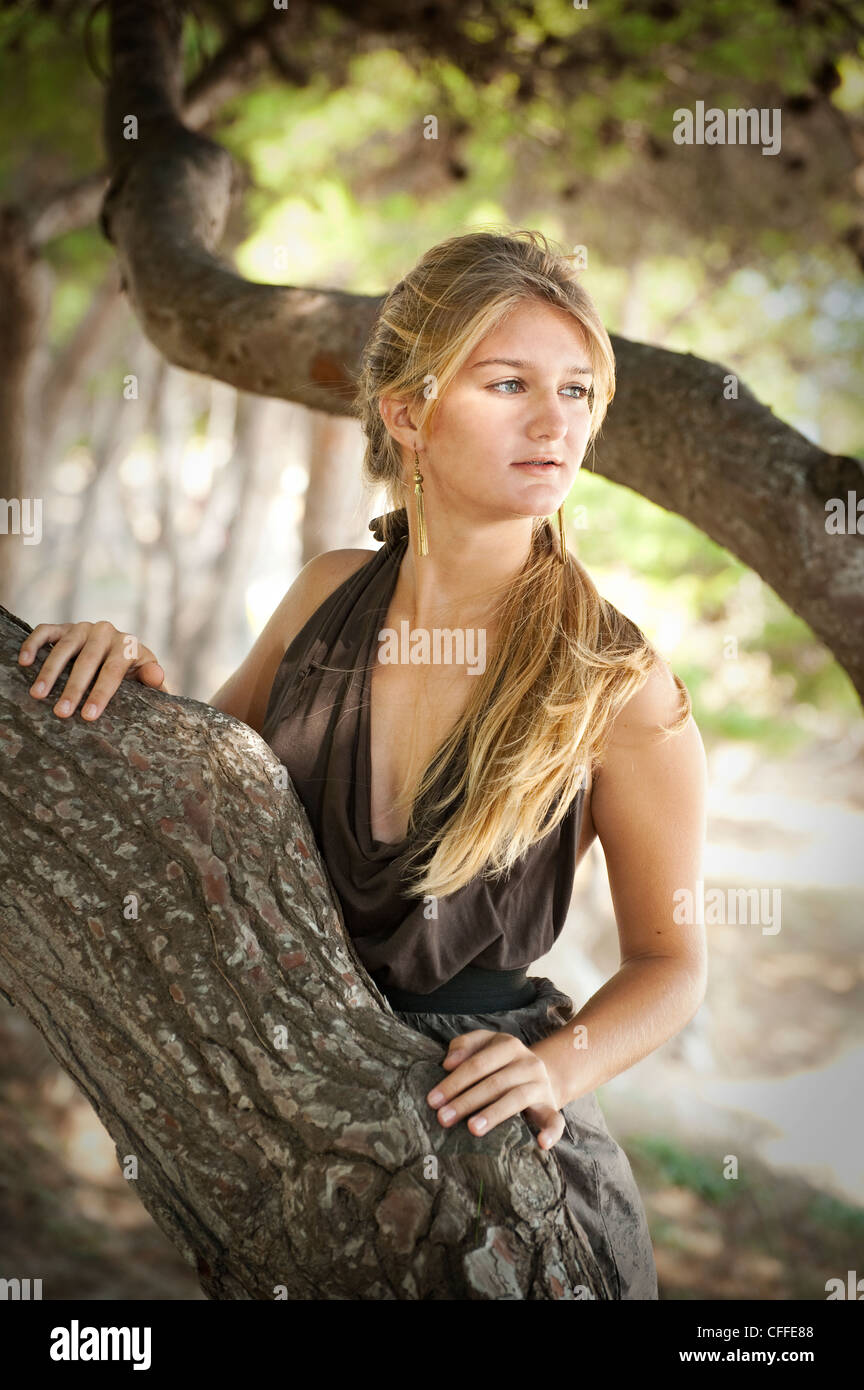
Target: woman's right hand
[115, 655]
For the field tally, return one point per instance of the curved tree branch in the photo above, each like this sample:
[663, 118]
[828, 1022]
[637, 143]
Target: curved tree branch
[749, 481]
[232, 70]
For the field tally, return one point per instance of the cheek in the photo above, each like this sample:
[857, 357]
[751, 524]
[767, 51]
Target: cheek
[459, 424]
[582, 426]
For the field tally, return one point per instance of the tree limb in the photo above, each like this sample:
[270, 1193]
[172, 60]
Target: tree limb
[169, 927]
[749, 481]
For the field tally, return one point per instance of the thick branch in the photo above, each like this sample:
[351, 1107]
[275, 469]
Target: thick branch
[745, 478]
[232, 70]
[167, 923]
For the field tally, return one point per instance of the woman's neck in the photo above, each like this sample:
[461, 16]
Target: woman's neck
[465, 575]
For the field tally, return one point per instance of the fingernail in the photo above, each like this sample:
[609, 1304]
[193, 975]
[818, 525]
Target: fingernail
[435, 1097]
[63, 707]
[39, 688]
[447, 1113]
[25, 656]
[89, 711]
[453, 1056]
[480, 1125]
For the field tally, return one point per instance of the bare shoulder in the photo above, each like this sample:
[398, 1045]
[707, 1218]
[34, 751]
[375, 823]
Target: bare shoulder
[317, 580]
[245, 694]
[646, 737]
[649, 767]
[655, 706]
[326, 571]
[342, 561]
[637, 741]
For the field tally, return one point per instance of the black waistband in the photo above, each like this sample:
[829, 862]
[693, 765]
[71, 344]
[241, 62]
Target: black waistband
[472, 991]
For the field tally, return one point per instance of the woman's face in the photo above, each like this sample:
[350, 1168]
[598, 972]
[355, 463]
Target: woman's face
[496, 413]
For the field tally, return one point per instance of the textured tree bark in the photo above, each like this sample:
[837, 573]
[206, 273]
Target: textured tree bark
[168, 925]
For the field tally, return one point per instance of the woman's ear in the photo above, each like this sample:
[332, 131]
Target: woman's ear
[396, 415]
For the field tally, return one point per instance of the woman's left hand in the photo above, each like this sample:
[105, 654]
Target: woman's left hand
[495, 1075]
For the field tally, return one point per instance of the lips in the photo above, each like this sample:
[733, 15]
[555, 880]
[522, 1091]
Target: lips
[536, 463]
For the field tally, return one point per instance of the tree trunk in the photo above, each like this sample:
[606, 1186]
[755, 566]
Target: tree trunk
[94, 343]
[23, 296]
[333, 494]
[169, 927]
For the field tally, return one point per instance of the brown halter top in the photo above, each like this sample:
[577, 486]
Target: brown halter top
[317, 723]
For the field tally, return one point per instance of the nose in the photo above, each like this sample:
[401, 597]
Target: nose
[548, 418]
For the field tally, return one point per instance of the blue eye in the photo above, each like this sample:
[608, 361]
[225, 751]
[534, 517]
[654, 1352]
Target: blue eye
[515, 381]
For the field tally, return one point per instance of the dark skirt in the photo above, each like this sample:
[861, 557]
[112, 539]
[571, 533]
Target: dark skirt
[601, 1189]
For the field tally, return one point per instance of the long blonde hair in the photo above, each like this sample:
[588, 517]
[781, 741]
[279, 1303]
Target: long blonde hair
[565, 660]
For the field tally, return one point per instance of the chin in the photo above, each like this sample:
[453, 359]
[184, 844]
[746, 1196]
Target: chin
[540, 500]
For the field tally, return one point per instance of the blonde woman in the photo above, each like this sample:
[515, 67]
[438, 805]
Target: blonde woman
[462, 713]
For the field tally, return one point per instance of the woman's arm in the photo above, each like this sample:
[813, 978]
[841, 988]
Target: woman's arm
[648, 806]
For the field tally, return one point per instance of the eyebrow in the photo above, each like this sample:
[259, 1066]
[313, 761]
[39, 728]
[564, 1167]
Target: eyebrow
[515, 362]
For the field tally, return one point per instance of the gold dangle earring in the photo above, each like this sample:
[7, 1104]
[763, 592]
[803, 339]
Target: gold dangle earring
[562, 553]
[422, 543]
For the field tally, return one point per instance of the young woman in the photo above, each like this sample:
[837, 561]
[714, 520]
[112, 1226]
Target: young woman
[453, 800]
